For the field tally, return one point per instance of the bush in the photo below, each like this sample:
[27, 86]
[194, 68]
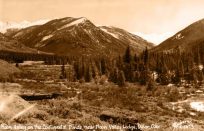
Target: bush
[41, 116]
[59, 108]
[76, 106]
[160, 103]
[158, 91]
[87, 121]
[150, 85]
[103, 80]
[82, 80]
[173, 94]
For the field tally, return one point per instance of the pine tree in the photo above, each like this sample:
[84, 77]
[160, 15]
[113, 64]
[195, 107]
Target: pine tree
[82, 70]
[94, 71]
[77, 70]
[136, 76]
[121, 79]
[128, 71]
[135, 58]
[127, 57]
[146, 56]
[88, 74]
[176, 79]
[150, 85]
[163, 77]
[179, 73]
[200, 78]
[103, 66]
[197, 58]
[119, 63]
[114, 75]
[63, 72]
[144, 76]
[181, 69]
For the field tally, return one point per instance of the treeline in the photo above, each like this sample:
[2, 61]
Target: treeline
[124, 68]
[180, 68]
[51, 59]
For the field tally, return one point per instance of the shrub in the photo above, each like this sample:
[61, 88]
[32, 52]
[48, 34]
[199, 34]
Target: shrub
[150, 85]
[82, 80]
[103, 80]
[160, 103]
[173, 95]
[41, 115]
[76, 106]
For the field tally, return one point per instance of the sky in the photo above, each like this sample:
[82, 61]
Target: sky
[154, 20]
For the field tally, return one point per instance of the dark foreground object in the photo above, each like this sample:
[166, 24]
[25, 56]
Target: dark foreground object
[124, 121]
[35, 97]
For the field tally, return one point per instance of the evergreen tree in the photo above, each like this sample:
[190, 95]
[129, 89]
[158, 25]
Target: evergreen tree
[94, 71]
[135, 58]
[63, 72]
[136, 76]
[82, 70]
[121, 79]
[114, 75]
[77, 70]
[128, 71]
[179, 73]
[197, 58]
[150, 84]
[181, 69]
[88, 74]
[127, 57]
[163, 77]
[103, 66]
[120, 63]
[200, 78]
[146, 56]
[144, 76]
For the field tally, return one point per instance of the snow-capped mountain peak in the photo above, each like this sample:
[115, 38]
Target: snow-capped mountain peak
[79, 36]
[114, 35]
[75, 22]
[179, 36]
[9, 25]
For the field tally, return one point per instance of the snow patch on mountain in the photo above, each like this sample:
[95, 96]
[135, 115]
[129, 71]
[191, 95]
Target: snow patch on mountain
[67, 20]
[114, 35]
[90, 35]
[46, 37]
[76, 22]
[9, 25]
[179, 36]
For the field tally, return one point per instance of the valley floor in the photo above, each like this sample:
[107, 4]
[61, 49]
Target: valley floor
[96, 106]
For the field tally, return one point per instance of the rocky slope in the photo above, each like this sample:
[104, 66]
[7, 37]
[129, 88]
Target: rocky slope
[79, 36]
[184, 40]
[10, 44]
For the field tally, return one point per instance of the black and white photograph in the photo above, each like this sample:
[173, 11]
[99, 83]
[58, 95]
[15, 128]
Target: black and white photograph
[102, 65]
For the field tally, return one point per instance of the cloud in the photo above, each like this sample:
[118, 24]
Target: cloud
[8, 25]
[154, 37]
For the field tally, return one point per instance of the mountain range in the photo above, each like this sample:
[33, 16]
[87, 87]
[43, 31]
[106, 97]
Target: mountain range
[184, 40]
[79, 36]
[10, 44]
